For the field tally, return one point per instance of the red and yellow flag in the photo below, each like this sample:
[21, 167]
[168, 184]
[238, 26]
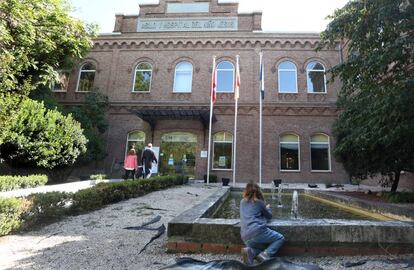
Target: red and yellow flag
[213, 91]
[237, 81]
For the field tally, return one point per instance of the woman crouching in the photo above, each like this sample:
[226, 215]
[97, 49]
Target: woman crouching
[262, 243]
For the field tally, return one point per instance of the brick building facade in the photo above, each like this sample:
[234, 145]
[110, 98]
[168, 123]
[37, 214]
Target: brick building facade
[156, 69]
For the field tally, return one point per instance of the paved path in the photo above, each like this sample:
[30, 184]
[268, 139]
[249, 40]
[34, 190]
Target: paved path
[97, 240]
[75, 186]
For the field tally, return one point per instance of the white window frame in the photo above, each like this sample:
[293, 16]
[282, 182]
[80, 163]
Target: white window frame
[54, 82]
[191, 77]
[128, 140]
[135, 75]
[280, 151]
[214, 142]
[308, 78]
[226, 69]
[86, 70]
[279, 70]
[329, 152]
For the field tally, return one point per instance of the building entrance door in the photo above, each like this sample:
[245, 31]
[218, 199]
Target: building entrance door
[178, 152]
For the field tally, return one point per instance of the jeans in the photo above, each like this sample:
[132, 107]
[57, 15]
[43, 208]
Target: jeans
[147, 171]
[269, 241]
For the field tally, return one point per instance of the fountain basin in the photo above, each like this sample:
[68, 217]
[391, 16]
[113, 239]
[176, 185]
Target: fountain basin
[196, 231]
[311, 207]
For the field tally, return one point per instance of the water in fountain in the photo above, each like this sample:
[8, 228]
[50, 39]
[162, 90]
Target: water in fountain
[272, 189]
[295, 204]
[279, 196]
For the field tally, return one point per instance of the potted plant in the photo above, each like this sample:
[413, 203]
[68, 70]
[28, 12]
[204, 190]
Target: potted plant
[277, 182]
[225, 181]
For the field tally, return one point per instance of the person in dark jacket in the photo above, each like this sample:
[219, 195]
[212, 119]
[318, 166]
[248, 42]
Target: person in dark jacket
[262, 242]
[148, 157]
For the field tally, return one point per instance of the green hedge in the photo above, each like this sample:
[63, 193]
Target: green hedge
[9, 182]
[43, 208]
[11, 212]
[98, 176]
[400, 197]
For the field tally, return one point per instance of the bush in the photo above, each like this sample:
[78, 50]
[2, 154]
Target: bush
[43, 208]
[47, 207]
[11, 210]
[43, 138]
[9, 182]
[98, 176]
[400, 197]
[86, 200]
[106, 193]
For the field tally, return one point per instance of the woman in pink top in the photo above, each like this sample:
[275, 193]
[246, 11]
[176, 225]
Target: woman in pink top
[130, 164]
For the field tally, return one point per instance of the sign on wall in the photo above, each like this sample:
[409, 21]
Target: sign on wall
[187, 24]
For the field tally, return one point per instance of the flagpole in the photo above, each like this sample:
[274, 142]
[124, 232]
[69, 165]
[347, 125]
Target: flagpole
[236, 97]
[211, 119]
[260, 119]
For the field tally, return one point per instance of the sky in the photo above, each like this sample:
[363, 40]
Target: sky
[278, 15]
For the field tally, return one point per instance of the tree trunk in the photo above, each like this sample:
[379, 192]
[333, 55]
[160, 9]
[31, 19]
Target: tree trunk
[395, 182]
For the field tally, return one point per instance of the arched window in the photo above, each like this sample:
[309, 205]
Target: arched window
[225, 77]
[86, 77]
[315, 73]
[287, 77]
[142, 78]
[183, 79]
[320, 153]
[136, 140]
[289, 152]
[222, 150]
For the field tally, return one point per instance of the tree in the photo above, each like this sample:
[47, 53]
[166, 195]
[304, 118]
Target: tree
[375, 128]
[92, 117]
[42, 138]
[37, 38]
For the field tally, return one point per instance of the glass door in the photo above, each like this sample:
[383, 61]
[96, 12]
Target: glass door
[177, 153]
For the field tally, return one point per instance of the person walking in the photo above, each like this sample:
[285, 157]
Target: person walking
[148, 157]
[130, 164]
[261, 242]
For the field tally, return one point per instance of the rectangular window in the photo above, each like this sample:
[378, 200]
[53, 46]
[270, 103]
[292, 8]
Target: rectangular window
[320, 157]
[289, 156]
[316, 82]
[225, 81]
[183, 81]
[86, 81]
[287, 81]
[142, 81]
[222, 155]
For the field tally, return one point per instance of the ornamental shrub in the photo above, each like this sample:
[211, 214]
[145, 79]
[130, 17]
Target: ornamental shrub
[42, 138]
[47, 207]
[43, 208]
[9, 182]
[98, 176]
[11, 210]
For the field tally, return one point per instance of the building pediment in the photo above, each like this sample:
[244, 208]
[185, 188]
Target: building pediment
[188, 16]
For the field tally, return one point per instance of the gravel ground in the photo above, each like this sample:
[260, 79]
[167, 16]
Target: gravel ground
[97, 240]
